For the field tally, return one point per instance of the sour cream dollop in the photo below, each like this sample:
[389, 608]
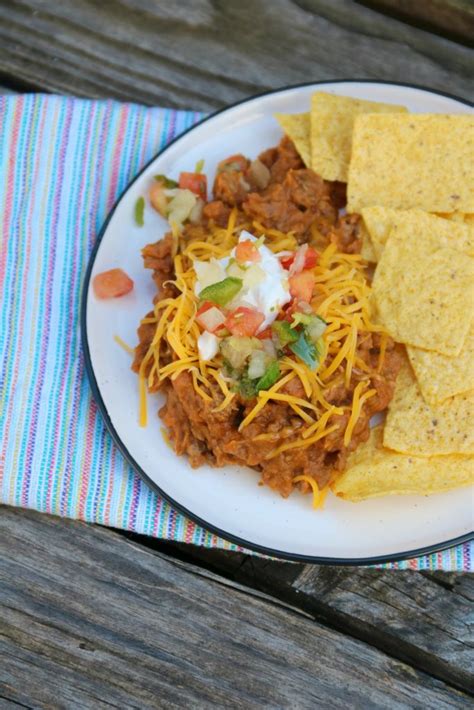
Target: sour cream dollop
[265, 284]
[208, 345]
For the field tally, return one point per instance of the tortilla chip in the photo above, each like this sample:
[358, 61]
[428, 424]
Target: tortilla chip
[415, 427]
[439, 376]
[380, 220]
[453, 216]
[332, 123]
[367, 250]
[374, 471]
[424, 290]
[412, 161]
[297, 127]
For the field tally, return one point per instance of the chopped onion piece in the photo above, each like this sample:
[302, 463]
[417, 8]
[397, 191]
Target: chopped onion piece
[181, 206]
[269, 347]
[260, 173]
[158, 198]
[257, 364]
[298, 263]
[237, 349]
[195, 215]
[253, 276]
[211, 319]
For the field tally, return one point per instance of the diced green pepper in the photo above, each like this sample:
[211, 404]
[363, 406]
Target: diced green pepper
[247, 387]
[306, 351]
[222, 292]
[285, 333]
[300, 319]
[139, 211]
[270, 376]
[199, 166]
[167, 182]
[314, 325]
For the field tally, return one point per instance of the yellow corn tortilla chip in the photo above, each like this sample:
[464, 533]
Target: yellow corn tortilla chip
[424, 291]
[453, 216]
[297, 127]
[420, 161]
[415, 427]
[332, 123]
[367, 250]
[380, 220]
[440, 376]
[374, 471]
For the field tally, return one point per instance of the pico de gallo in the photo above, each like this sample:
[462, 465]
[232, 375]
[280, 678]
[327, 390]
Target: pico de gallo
[254, 309]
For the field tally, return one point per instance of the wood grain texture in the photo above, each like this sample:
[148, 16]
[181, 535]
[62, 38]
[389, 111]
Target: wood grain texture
[91, 620]
[204, 54]
[425, 619]
[451, 18]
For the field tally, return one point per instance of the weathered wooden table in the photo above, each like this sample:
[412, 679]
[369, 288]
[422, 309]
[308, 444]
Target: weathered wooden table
[94, 618]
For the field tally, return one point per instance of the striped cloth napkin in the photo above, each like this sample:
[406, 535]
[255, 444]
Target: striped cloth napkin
[63, 163]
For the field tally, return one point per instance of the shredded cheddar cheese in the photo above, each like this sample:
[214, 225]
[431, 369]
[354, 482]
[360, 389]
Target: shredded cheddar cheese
[357, 402]
[341, 297]
[319, 495]
[124, 345]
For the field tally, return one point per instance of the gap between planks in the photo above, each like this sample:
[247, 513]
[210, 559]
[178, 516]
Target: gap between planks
[386, 608]
[96, 613]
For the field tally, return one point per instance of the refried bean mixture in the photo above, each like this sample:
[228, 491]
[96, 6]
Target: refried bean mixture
[288, 197]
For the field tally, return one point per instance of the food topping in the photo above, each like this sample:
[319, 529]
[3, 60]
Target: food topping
[274, 342]
[262, 336]
[112, 284]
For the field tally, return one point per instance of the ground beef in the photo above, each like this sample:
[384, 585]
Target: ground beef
[294, 205]
[213, 437]
[346, 234]
[281, 159]
[231, 188]
[297, 200]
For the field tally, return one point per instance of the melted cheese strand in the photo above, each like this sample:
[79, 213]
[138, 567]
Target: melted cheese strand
[314, 486]
[124, 345]
[357, 402]
[342, 298]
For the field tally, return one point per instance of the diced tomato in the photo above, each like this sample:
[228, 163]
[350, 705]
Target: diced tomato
[286, 261]
[210, 317]
[264, 334]
[112, 284]
[301, 286]
[310, 260]
[233, 162]
[203, 308]
[244, 321]
[158, 198]
[196, 182]
[247, 251]
[287, 312]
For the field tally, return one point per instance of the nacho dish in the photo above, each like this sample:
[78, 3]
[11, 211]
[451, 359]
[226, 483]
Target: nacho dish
[325, 282]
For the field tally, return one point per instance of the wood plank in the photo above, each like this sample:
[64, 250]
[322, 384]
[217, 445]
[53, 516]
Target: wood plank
[425, 619]
[203, 55]
[449, 18]
[91, 620]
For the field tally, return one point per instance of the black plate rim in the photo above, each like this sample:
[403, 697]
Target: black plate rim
[261, 549]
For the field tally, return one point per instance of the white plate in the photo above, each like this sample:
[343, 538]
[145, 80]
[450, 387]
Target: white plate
[228, 500]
